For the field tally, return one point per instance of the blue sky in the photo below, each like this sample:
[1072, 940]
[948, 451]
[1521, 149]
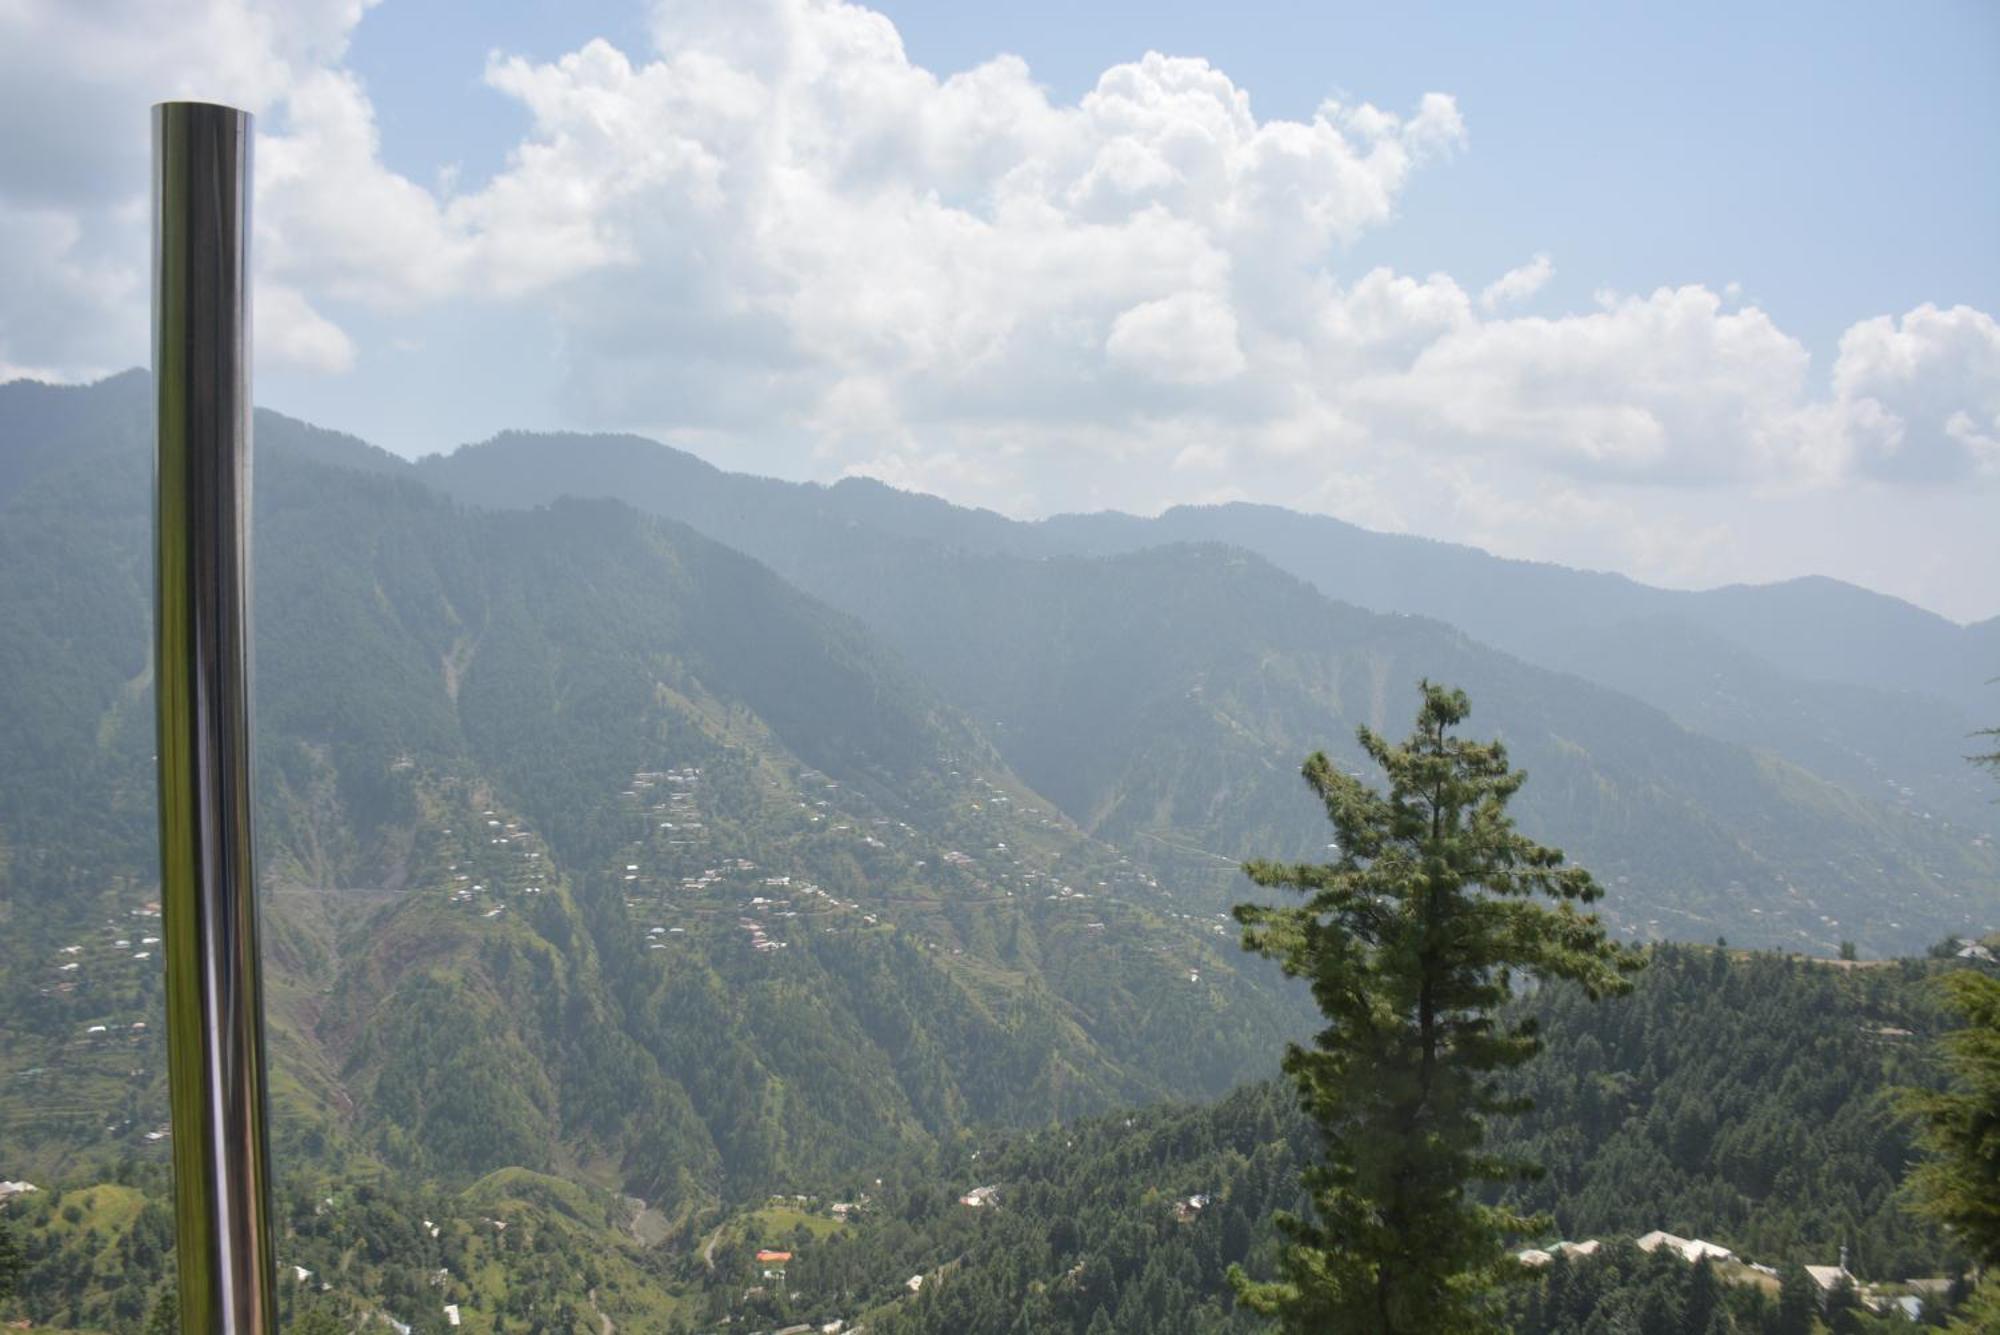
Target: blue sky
[1750, 310]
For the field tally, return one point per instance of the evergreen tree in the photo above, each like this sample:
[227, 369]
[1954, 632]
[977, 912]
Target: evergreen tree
[1959, 1184]
[1840, 1300]
[11, 1260]
[1980, 1313]
[1412, 940]
[166, 1314]
[1990, 759]
[1704, 1299]
[1798, 1302]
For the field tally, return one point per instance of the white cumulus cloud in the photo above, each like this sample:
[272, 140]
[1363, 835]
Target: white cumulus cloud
[1517, 284]
[1922, 394]
[1189, 337]
[76, 82]
[1671, 386]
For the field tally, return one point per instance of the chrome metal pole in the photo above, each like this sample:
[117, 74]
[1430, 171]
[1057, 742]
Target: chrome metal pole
[201, 677]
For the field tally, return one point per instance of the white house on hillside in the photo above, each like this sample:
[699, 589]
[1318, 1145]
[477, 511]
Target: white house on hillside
[1690, 1249]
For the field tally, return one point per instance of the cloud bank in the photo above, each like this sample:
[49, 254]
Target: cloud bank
[773, 227]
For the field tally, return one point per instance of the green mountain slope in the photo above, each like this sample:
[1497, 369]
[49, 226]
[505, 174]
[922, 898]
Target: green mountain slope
[1864, 690]
[869, 936]
[1163, 698]
[514, 1251]
[1736, 1098]
[1166, 696]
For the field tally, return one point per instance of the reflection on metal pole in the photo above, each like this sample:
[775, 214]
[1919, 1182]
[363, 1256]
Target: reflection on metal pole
[201, 675]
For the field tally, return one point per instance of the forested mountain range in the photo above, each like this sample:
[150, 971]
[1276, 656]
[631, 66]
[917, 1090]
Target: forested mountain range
[642, 840]
[1863, 690]
[1102, 674]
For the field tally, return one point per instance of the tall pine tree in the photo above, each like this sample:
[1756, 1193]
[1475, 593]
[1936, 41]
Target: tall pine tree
[12, 1261]
[1959, 1183]
[1412, 940]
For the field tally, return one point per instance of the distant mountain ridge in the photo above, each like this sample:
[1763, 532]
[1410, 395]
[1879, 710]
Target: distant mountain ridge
[1864, 690]
[1815, 627]
[878, 554]
[745, 509]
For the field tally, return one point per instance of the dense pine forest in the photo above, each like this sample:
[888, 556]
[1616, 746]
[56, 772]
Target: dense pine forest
[1790, 1055]
[1740, 1098]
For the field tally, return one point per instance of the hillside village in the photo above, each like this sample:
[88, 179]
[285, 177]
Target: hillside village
[673, 883]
